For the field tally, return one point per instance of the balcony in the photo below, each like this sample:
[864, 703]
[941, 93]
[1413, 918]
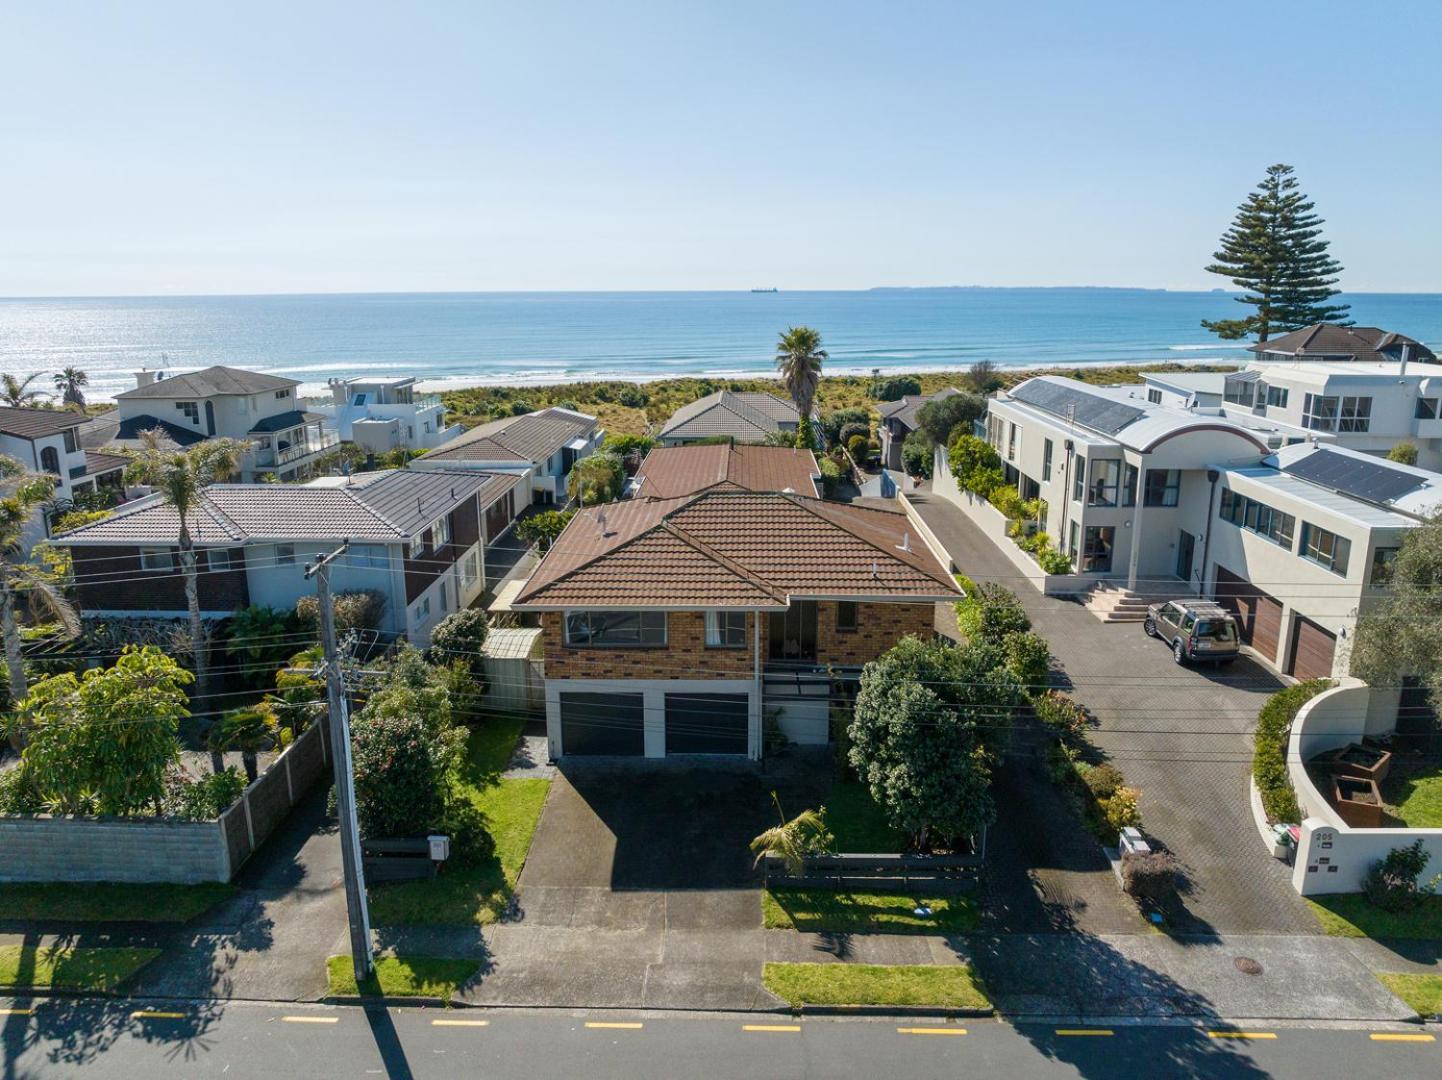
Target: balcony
[315, 441]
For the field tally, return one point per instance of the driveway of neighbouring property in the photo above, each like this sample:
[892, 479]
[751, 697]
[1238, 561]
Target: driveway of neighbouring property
[1180, 734]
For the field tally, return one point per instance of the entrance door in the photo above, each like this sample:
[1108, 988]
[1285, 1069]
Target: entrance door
[792, 633]
[1186, 545]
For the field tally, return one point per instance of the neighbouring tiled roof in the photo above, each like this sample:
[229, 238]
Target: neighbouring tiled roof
[532, 437]
[38, 423]
[1369, 343]
[670, 471]
[383, 506]
[733, 549]
[131, 428]
[905, 409]
[284, 421]
[98, 462]
[748, 415]
[208, 383]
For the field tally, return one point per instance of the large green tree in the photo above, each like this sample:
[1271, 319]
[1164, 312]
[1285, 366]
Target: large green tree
[928, 724]
[1402, 634]
[1274, 251]
[16, 392]
[799, 357]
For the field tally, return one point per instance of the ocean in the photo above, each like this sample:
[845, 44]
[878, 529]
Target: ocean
[466, 339]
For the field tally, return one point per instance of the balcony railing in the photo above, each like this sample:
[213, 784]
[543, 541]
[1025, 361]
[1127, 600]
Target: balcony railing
[268, 458]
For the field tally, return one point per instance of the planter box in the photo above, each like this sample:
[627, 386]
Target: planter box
[1358, 801]
[1360, 760]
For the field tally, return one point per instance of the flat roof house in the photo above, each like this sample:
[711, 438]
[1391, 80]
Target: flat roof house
[227, 402]
[672, 471]
[381, 414]
[743, 416]
[543, 446]
[898, 420]
[670, 624]
[415, 537]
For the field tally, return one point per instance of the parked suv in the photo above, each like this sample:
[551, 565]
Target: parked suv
[1196, 629]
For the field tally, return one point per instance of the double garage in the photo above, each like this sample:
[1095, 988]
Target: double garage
[681, 721]
[1262, 622]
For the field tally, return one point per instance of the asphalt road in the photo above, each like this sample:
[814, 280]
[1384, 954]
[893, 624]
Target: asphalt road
[120, 1040]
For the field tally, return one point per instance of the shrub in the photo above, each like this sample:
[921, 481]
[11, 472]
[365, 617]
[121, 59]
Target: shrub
[260, 638]
[918, 454]
[520, 407]
[976, 466]
[618, 443]
[402, 771]
[357, 610]
[1269, 755]
[1008, 500]
[1103, 781]
[997, 613]
[858, 445]
[833, 422]
[471, 842]
[1404, 453]
[18, 794]
[1061, 714]
[76, 519]
[1393, 883]
[1053, 561]
[831, 476]
[543, 528]
[894, 389]
[942, 417]
[1150, 876]
[597, 478]
[1061, 763]
[633, 397]
[460, 636]
[1120, 810]
[1028, 658]
[204, 799]
[850, 430]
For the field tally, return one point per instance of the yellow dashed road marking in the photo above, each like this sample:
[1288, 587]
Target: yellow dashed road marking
[311, 1019]
[770, 1027]
[1084, 1031]
[460, 1023]
[1242, 1034]
[613, 1026]
[17, 1012]
[1392, 1036]
[151, 1014]
[932, 1031]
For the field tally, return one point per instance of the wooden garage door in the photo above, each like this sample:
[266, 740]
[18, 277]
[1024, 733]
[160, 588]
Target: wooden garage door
[1260, 615]
[605, 724]
[1312, 649]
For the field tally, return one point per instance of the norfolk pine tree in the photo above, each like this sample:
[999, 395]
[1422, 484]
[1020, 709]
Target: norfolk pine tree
[1275, 251]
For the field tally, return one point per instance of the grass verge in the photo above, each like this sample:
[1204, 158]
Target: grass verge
[857, 822]
[465, 895]
[951, 986]
[98, 970]
[815, 910]
[403, 976]
[1350, 915]
[110, 902]
[1422, 993]
[1416, 799]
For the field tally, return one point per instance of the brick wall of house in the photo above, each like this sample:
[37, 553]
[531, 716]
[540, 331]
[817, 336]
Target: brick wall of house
[684, 657]
[111, 579]
[878, 628]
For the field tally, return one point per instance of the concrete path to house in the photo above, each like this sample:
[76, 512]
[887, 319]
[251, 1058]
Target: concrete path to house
[1180, 734]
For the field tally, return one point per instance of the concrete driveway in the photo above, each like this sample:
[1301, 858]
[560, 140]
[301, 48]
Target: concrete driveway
[1180, 734]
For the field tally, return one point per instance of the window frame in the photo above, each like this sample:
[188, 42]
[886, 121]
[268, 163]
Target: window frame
[851, 624]
[642, 615]
[284, 555]
[1334, 556]
[1167, 494]
[1098, 485]
[1277, 397]
[441, 532]
[721, 629]
[1426, 408]
[191, 409]
[1079, 478]
[1324, 420]
[148, 554]
[1154, 396]
[1355, 414]
[1384, 561]
[1047, 450]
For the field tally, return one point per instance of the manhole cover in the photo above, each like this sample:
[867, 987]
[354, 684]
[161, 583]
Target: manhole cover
[1247, 966]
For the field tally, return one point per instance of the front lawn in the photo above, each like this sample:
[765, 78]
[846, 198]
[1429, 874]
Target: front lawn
[952, 986]
[476, 894]
[110, 902]
[857, 822]
[94, 970]
[1422, 993]
[1351, 915]
[403, 976]
[816, 910]
[1416, 800]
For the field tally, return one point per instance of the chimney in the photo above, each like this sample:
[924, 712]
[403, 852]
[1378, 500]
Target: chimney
[905, 544]
[144, 378]
[339, 392]
[601, 521]
[1402, 369]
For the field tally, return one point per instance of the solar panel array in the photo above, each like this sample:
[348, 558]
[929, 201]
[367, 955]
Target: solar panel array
[1371, 481]
[1089, 410]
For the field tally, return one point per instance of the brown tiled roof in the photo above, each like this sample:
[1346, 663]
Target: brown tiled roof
[1369, 343]
[381, 507]
[532, 437]
[97, 461]
[748, 415]
[671, 471]
[734, 549]
[208, 383]
[38, 423]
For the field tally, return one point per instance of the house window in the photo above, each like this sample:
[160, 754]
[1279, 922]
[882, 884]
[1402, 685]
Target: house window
[1277, 396]
[445, 603]
[1011, 443]
[442, 532]
[224, 558]
[1426, 408]
[156, 559]
[1383, 559]
[1356, 414]
[358, 400]
[68, 437]
[1072, 541]
[191, 410]
[1129, 485]
[1164, 487]
[284, 554]
[1325, 548]
[1258, 517]
[1097, 555]
[1106, 475]
[368, 556]
[1319, 412]
[615, 629]
[1154, 395]
[281, 395]
[1239, 392]
[50, 460]
[470, 570]
[993, 432]
[1046, 450]
[418, 546]
[725, 629]
[847, 614]
[1079, 483]
[423, 609]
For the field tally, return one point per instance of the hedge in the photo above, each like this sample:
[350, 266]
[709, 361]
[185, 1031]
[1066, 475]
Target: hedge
[1269, 756]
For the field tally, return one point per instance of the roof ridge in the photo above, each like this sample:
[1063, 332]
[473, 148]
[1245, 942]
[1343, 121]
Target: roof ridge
[726, 562]
[915, 562]
[217, 515]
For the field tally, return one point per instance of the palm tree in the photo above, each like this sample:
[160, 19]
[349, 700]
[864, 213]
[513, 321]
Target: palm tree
[180, 478]
[247, 730]
[16, 392]
[25, 494]
[792, 841]
[68, 385]
[799, 357]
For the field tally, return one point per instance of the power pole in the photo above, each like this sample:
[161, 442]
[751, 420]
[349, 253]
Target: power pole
[339, 711]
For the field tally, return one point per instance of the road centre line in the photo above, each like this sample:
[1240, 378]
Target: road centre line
[770, 1027]
[1084, 1031]
[1241, 1034]
[17, 1012]
[153, 1014]
[931, 1031]
[630, 1026]
[1393, 1036]
[311, 1019]
[460, 1023]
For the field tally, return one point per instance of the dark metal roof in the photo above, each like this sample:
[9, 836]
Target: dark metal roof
[132, 426]
[1370, 481]
[1088, 410]
[1249, 375]
[38, 423]
[286, 420]
[208, 382]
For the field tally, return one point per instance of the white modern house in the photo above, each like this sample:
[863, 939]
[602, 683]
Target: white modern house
[384, 414]
[48, 441]
[226, 402]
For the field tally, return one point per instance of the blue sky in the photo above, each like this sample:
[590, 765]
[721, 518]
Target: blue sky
[200, 148]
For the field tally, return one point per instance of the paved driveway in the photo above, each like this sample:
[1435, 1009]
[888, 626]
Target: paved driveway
[1182, 735]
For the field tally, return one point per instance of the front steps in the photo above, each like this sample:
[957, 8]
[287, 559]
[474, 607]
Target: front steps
[1110, 602]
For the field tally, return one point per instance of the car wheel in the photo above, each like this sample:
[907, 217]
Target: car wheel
[1179, 654]
[1150, 626]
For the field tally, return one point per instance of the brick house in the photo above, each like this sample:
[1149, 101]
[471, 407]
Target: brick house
[671, 625]
[416, 538]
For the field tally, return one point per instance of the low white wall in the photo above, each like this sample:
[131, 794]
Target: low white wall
[1333, 857]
